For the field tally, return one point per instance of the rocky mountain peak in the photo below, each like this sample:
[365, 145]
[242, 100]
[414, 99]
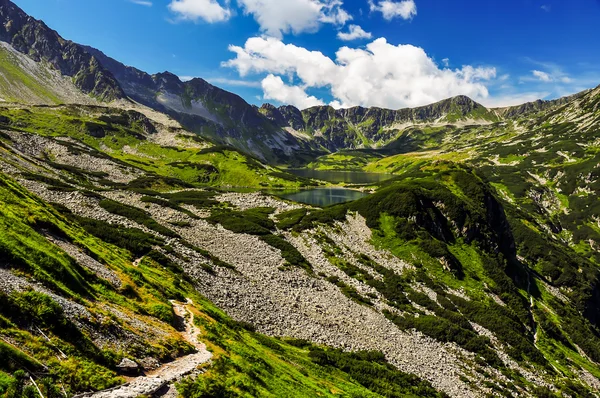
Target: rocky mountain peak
[273, 114]
[167, 81]
[458, 106]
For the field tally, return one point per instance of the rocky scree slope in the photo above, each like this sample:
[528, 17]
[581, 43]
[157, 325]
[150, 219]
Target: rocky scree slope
[94, 249]
[433, 271]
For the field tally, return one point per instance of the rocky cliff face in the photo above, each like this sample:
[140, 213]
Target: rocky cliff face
[360, 127]
[39, 42]
[205, 109]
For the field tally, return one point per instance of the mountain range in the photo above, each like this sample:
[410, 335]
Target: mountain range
[147, 249]
[272, 134]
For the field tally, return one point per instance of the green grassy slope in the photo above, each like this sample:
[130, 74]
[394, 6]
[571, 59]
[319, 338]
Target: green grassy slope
[448, 222]
[69, 327]
[245, 363]
[122, 136]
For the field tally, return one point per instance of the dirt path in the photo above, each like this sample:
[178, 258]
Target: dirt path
[168, 373]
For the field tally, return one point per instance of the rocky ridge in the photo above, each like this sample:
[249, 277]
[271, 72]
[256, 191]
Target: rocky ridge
[42, 44]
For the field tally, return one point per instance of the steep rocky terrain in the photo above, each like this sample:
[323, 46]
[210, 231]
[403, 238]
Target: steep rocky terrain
[95, 247]
[283, 135]
[373, 127]
[436, 271]
[205, 109]
[33, 38]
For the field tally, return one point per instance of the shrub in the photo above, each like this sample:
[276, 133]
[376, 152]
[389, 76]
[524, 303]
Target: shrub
[288, 219]
[134, 240]
[137, 215]
[163, 312]
[288, 251]
[166, 203]
[199, 199]
[370, 369]
[157, 181]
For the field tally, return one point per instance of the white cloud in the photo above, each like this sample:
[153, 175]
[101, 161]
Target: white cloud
[193, 10]
[141, 2]
[275, 89]
[405, 9]
[446, 62]
[355, 32]
[381, 74]
[277, 17]
[234, 82]
[546, 7]
[543, 76]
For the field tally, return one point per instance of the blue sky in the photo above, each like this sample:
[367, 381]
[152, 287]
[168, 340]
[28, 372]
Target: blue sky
[401, 53]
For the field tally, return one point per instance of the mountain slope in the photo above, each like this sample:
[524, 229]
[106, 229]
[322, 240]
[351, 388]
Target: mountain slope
[70, 328]
[205, 109]
[92, 269]
[40, 43]
[473, 273]
[373, 127]
[431, 266]
[26, 81]
[277, 135]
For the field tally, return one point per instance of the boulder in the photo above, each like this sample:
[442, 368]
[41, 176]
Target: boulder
[128, 366]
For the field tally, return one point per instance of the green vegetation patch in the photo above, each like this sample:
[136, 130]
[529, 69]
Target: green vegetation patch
[257, 222]
[247, 364]
[133, 213]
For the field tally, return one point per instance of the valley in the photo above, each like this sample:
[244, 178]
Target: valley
[166, 238]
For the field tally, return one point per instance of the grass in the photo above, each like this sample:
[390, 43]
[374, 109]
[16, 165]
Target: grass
[344, 160]
[13, 72]
[288, 370]
[443, 218]
[133, 213]
[415, 227]
[211, 166]
[23, 217]
[247, 364]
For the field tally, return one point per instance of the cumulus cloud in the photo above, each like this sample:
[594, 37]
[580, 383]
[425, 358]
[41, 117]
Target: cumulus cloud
[381, 74]
[405, 9]
[355, 32]
[277, 17]
[194, 10]
[275, 89]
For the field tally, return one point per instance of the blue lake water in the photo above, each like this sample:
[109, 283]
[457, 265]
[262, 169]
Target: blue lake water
[322, 196]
